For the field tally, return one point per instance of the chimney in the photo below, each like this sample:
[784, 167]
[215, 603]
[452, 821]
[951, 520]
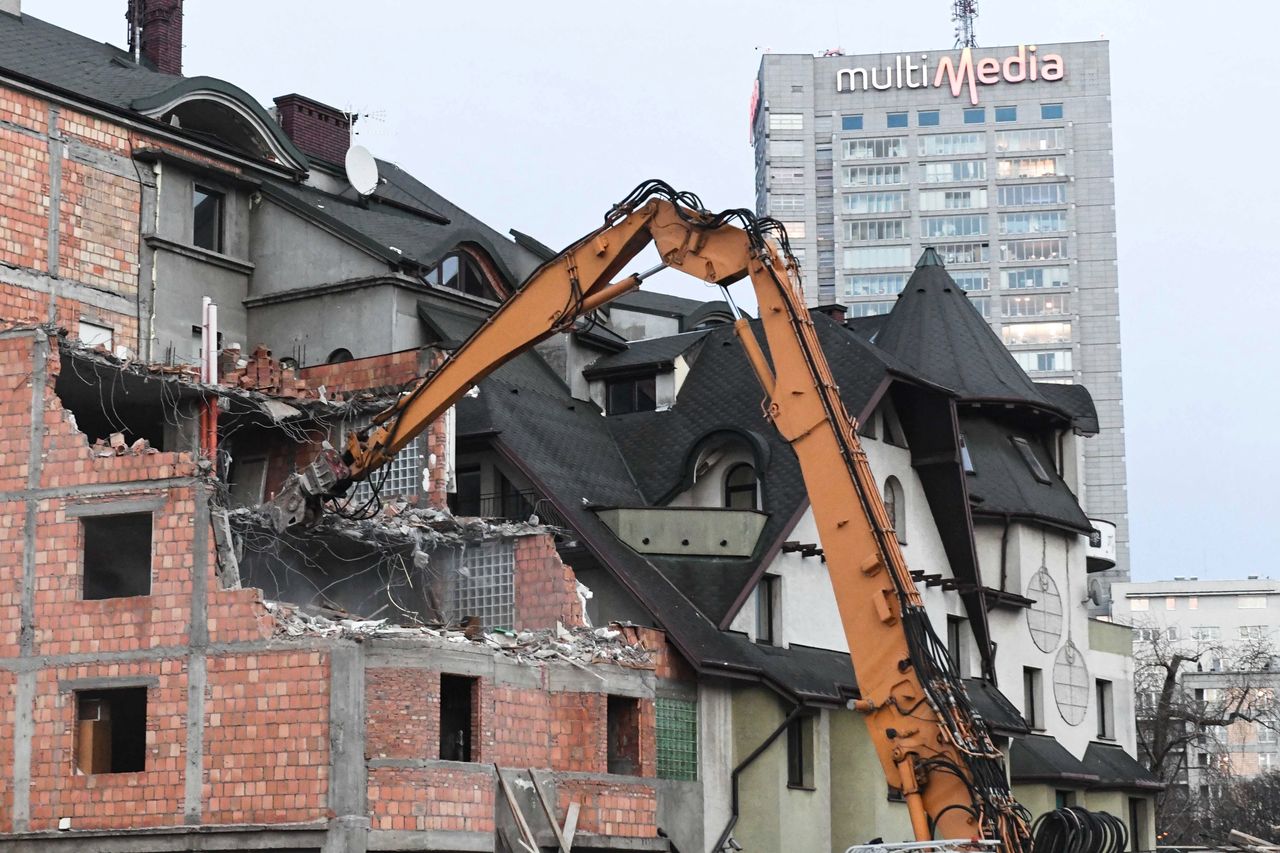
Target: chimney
[11, 7]
[320, 130]
[834, 310]
[157, 24]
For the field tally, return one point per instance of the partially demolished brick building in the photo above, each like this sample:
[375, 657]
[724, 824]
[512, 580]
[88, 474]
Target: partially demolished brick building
[175, 675]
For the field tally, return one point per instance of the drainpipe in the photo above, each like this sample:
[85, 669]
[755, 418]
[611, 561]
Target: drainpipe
[155, 229]
[746, 762]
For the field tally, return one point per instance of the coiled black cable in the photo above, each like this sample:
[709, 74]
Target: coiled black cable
[1077, 830]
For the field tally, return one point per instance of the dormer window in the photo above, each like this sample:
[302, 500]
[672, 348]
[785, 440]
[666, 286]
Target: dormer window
[459, 271]
[965, 459]
[632, 394]
[741, 489]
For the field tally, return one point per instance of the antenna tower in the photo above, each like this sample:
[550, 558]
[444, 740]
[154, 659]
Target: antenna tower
[964, 13]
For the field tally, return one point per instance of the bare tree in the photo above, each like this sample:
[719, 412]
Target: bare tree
[1183, 729]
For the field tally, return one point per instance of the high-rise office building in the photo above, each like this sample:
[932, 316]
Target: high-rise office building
[998, 157]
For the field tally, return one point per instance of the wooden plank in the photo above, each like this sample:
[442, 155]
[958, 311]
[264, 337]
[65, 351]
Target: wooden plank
[571, 822]
[526, 834]
[550, 813]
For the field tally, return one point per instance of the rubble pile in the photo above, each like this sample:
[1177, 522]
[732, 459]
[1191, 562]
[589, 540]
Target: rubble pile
[116, 445]
[577, 646]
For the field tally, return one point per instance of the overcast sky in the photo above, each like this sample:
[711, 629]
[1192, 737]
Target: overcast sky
[538, 116]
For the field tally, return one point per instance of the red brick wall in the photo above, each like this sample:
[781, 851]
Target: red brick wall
[114, 800]
[98, 228]
[449, 797]
[609, 808]
[267, 737]
[546, 589]
[403, 711]
[318, 129]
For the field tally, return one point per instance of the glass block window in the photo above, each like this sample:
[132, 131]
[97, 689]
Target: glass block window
[403, 475]
[677, 721]
[484, 585]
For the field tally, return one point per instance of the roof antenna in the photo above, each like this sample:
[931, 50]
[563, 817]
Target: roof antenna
[964, 13]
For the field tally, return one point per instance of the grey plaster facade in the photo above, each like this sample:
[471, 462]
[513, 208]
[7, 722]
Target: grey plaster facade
[864, 187]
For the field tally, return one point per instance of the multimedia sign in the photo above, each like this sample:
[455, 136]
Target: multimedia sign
[960, 75]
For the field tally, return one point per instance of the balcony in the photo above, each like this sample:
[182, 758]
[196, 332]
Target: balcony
[1101, 553]
[507, 506]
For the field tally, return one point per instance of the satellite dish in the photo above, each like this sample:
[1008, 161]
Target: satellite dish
[362, 170]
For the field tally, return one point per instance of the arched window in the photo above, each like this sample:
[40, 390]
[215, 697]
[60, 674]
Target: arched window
[459, 271]
[740, 490]
[338, 356]
[896, 506]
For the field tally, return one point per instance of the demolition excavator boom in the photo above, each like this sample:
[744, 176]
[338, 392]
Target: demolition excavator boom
[930, 742]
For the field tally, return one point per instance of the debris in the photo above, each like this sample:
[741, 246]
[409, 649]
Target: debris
[577, 646]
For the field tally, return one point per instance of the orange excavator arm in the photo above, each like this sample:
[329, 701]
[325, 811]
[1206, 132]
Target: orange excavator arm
[931, 744]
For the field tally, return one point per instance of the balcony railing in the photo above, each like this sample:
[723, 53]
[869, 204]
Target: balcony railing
[508, 506]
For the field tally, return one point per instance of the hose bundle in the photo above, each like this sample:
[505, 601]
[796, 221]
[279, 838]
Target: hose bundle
[1078, 830]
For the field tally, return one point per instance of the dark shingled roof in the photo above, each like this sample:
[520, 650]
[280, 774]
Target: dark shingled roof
[658, 303]
[1040, 758]
[1115, 768]
[652, 352]
[1002, 482]
[995, 707]
[1076, 401]
[934, 328]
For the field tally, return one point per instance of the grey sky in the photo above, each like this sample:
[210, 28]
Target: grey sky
[538, 116]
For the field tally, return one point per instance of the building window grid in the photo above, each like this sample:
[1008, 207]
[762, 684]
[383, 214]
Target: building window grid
[971, 280]
[863, 230]
[1037, 222]
[1036, 305]
[677, 738]
[1053, 249]
[487, 590]
[786, 121]
[953, 171]
[869, 309]
[872, 257]
[1035, 277]
[964, 253]
[886, 284]
[1037, 139]
[1043, 361]
[1030, 167]
[952, 144]
[886, 202]
[786, 204]
[965, 199]
[874, 176]
[953, 226]
[1026, 195]
[875, 148]
[786, 148]
[1014, 334]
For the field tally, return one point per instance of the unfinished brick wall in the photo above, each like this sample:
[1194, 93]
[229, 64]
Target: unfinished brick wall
[115, 800]
[611, 808]
[403, 711]
[267, 737]
[453, 797]
[392, 370]
[546, 589]
[99, 228]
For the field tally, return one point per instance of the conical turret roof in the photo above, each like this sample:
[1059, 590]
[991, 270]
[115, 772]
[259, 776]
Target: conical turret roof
[936, 330]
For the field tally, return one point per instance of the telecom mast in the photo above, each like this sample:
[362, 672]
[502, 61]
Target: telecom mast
[964, 12]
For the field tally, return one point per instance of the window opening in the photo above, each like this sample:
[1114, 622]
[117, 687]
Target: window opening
[95, 334]
[635, 394]
[206, 232]
[458, 712]
[111, 730]
[740, 487]
[466, 500]
[766, 602]
[677, 724]
[1031, 697]
[895, 506]
[1006, 113]
[623, 739]
[965, 458]
[117, 556]
[800, 752]
[956, 646]
[1106, 725]
[339, 356]
[1029, 456]
[853, 122]
[459, 271]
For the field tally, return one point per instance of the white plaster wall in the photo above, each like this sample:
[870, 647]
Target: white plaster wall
[715, 756]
